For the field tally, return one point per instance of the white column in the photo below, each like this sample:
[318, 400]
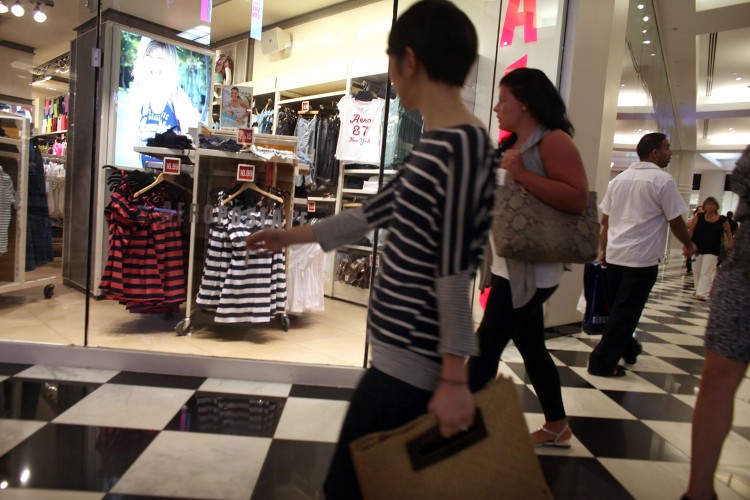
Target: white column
[592, 68]
[712, 184]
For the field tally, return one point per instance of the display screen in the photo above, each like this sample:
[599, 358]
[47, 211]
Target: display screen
[161, 86]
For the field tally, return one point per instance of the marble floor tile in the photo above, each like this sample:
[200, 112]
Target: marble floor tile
[591, 403]
[64, 373]
[195, 465]
[669, 351]
[630, 382]
[307, 419]
[680, 338]
[49, 494]
[127, 406]
[12, 432]
[654, 364]
[246, 387]
[735, 452]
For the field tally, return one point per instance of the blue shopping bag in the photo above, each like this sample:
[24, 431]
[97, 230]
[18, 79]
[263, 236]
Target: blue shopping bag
[597, 302]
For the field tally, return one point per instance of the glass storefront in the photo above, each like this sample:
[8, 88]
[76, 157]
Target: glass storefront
[178, 134]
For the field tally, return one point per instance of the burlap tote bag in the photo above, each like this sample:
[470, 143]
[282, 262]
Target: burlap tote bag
[495, 459]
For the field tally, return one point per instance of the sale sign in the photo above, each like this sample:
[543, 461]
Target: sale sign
[245, 136]
[171, 166]
[245, 173]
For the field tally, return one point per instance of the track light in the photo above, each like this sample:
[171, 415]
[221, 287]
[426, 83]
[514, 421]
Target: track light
[17, 9]
[3, 8]
[39, 16]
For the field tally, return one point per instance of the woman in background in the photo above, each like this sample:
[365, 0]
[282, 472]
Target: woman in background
[707, 230]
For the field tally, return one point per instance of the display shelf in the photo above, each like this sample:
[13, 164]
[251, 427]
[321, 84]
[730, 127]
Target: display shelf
[359, 248]
[351, 293]
[57, 158]
[48, 134]
[158, 151]
[368, 192]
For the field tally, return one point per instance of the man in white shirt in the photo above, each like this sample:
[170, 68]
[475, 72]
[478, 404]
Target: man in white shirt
[635, 211]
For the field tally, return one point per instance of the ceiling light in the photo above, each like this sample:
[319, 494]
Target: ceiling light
[17, 9]
[39, 16]
[3, 8]
[645, 18]
[640, 6]
[646, 42]
[738, 78]
[644, 31]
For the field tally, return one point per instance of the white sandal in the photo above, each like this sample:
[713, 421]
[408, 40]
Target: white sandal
[556, 442]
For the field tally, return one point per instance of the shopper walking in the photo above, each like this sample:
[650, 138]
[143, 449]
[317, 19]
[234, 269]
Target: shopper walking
[635, 211]
[727, 349]
[437, 213]
[541, 157]
[708, 230]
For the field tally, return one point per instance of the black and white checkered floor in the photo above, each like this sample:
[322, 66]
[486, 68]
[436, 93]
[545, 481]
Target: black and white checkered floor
[75, 433]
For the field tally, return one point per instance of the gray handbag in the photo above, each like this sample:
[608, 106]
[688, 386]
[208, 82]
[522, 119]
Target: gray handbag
[525, 228]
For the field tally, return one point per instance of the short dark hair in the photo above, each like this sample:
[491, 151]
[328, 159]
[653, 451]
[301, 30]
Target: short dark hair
[730, 214]
[648, 143]
[441, 36]
[532, 87]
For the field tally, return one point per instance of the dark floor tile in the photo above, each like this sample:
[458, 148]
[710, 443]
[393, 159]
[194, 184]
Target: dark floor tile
[692, 366]
[574, 478]
[696, 349]
[644, 336]
[74, 457]
[224, 414]
[658, 327]
[672, 383]
[573, 358]
[632, 439]
[650, 406]
[11, 369]
[294, 470]
[318, 392]
[529, 401]
[742, 431]
[568, 378]
[157, 380]
[40, 400]
[120, 496]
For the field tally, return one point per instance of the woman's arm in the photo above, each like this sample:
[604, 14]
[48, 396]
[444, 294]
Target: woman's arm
[565, 187]
[728, 233]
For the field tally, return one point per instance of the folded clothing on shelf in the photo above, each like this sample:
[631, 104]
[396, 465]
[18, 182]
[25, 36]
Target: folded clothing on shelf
[170, 139]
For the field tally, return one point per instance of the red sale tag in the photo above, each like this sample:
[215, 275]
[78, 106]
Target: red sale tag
[245, 136]
[172, 166]
[310, 206]
[245, 173]
[305, 106]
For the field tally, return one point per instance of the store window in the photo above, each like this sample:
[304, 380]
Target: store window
[190, 134]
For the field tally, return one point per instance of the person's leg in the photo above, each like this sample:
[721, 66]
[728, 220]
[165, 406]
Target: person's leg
[712, 420]
[381, 402]
[697, 266]
[544, 376]
[498, 311]
[707, 273]
[499, 324]
[629, 288]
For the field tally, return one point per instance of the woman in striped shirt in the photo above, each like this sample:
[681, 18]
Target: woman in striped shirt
[437, 213]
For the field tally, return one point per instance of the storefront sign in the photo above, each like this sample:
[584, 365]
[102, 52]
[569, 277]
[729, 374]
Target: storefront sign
[171, 165]
[256, 20]
[245, 136]
[245, 173]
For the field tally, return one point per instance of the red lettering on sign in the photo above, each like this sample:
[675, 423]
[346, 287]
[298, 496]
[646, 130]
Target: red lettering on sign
[515, 17]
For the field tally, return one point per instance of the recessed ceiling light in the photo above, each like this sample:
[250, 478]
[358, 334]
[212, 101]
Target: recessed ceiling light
[652, 55]
[645, 18]
[644, 31]
[640, 6]
[731, 128]
[738, 78]
[622, 85]
[646, 42]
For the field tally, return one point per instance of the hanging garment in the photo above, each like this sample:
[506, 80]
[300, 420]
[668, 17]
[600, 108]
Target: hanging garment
[38, 225]
[306, 276]
[361, 130]
[7, 199]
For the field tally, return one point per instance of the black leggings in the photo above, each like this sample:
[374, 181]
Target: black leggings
[381, 402]
[525, 326]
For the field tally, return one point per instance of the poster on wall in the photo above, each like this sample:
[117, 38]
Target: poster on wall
[162, 86]
[236, 106]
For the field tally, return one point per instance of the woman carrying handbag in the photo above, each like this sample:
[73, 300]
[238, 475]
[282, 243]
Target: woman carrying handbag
[541, 157]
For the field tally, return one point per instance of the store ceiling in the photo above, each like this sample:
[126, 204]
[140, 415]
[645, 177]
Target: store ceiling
[706, 124]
